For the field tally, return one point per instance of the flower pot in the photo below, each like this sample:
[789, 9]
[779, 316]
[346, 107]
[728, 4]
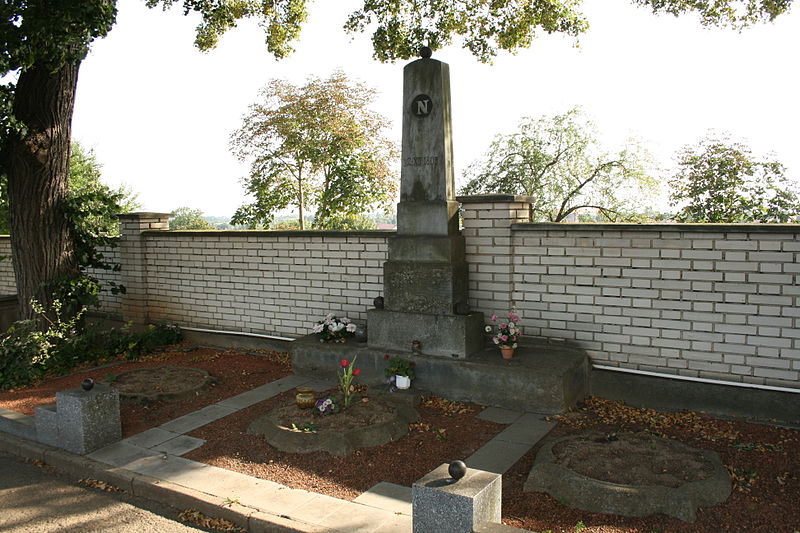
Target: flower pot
[402, 382]
[305, 398]
[507, 351]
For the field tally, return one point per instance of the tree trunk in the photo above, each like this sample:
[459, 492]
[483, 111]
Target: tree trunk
[38, 163]
[301, 200]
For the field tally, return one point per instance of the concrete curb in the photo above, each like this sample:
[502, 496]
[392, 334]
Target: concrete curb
[151, 488]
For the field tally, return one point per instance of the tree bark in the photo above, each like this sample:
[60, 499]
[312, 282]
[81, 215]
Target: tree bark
[38, 163]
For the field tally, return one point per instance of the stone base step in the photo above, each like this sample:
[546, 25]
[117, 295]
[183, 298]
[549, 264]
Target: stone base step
[543, 378]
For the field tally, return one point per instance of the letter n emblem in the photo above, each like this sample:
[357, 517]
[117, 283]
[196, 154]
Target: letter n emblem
[421, 105]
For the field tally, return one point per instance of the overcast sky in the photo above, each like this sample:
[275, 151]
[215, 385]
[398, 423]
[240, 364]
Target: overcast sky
[159, 113]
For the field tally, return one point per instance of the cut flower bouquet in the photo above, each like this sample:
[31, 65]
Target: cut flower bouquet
[507, 332]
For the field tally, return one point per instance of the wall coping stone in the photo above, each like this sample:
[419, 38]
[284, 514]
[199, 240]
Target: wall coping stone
[271, 233]
[142, 214]
[683, 227]
[494, 198]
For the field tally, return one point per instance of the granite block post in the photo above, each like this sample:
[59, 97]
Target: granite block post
[46, 421]
[440, 503]
[83, 421]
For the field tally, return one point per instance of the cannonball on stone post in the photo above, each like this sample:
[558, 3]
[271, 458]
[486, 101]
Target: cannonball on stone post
[457, 470]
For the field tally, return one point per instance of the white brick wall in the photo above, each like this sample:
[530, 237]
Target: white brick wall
[110, 303]
[719, 302]
[7, 283]
[262, 282]
[714, 301]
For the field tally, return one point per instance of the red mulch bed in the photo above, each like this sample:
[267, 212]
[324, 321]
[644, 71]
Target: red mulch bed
[236, 372]
[764, 460]
[446, 431]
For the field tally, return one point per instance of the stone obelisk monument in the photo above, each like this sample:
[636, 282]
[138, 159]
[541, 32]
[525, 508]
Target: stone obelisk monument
[425, 278]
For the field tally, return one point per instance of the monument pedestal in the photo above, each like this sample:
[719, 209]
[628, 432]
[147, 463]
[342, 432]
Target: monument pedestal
[453, 336]
[441, 503]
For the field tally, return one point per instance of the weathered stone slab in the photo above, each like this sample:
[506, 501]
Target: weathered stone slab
[440, 503]
[599, 496]
[417, 287]
[451, 336]
[340, 443]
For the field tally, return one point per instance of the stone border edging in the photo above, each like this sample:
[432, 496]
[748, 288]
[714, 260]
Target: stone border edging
[599, 496]
[341, 444]
[205, 380]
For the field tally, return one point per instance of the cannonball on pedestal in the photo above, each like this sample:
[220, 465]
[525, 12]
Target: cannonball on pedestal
[457, 470]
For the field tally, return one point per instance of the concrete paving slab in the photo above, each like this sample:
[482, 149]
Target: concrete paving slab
[10, 414]
[499, 415]
[197, 419]
[179, 445]
[151, 437]
[387, 496]
[260, 522]
[244, 400]
[121, 454]
[395, 524]
[528, 429]
[175, 469]
[16, 423]
[497, 456]
[316, 509]
[357, 519]
[280, 501]
[234, 485]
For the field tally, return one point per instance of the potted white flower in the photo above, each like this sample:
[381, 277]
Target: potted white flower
[401, 370]
[334, 329]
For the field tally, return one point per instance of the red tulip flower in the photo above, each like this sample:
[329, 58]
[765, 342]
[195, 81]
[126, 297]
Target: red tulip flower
[356, 371]
[344, 363]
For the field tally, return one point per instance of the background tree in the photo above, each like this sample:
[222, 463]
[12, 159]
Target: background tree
[90, 208]
[316, 145]
[558, 161]
[721, 181]
[95, 204]
[44, 42]
[188, 218]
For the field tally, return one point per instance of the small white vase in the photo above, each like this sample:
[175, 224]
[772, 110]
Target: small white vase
[402, 382]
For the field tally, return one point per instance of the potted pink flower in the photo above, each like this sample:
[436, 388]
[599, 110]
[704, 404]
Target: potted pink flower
[506, 333]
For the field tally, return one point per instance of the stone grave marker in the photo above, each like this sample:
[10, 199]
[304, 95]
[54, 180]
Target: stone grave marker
[425, 278]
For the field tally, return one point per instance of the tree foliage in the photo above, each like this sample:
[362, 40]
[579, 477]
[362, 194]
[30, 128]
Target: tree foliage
[188, 218]
[721, 181]
[93, 205]
[42, 43]
[314, 145]
[559, 163]
[734, 13]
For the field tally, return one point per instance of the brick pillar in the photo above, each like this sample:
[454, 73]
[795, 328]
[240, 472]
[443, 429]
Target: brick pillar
[133, 258]
[487, 223]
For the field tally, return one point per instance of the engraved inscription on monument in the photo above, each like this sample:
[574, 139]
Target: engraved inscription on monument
[424, 161]
[421, 105]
